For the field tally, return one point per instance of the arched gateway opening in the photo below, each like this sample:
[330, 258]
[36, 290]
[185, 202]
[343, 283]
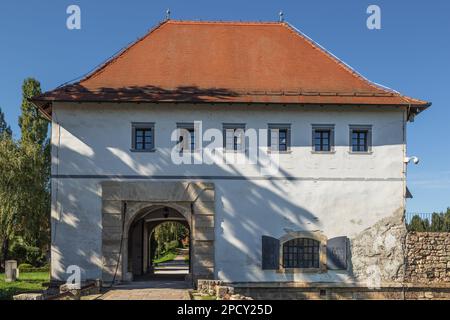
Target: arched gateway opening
[132, 209]
[159, 245]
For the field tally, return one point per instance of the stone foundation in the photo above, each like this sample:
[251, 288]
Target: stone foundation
[330, 292]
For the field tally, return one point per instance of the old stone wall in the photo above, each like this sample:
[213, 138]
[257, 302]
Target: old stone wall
[378, 252]
[428, 257]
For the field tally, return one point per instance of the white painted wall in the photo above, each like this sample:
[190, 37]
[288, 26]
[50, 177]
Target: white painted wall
[339, 194]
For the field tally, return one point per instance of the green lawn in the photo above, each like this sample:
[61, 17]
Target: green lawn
[167, 257]
[28, 282]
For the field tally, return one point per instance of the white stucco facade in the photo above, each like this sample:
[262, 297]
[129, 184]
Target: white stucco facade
[339, 193]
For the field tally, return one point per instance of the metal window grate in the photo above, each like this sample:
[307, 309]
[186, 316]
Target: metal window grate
[301, 253]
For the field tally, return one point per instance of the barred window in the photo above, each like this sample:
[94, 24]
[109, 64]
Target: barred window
[301, 253]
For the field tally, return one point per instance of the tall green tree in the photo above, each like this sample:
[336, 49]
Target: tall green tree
[35, 148]
[167, 234]
[8, 208]
[11, 195]
[437, 222]
[4, 127]
[447, 220]
[33, 126]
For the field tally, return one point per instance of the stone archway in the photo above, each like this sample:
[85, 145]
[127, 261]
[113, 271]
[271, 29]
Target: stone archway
[123, 201]
[141, 249]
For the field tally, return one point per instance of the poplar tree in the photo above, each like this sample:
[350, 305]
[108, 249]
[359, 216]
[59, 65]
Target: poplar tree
[10, 191]
[33, 126]
[35, 148]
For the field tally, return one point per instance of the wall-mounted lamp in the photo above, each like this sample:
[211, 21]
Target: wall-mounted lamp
[414, 159]
[166, 212]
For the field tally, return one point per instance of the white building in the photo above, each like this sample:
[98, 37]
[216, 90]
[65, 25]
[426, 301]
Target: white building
[332, 211]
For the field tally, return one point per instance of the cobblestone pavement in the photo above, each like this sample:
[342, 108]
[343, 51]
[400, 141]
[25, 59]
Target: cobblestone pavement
[149, 290]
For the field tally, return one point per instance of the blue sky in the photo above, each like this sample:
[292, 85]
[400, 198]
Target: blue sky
[410, 53]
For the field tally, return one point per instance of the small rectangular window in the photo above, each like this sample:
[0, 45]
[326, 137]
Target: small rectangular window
[279, 137]
[360, 139]
[323, 138]
[143, 137]
[282, 140]
[186, 140]
[234, 137]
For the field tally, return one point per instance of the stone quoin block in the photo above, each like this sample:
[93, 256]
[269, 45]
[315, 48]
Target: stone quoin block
[112, 220]
[204, 221]
[204, 234]
[203, 260]
[112, 206]
[204, 207]
[111, 191]
[112, 233]
[110, 258]
[203, 247]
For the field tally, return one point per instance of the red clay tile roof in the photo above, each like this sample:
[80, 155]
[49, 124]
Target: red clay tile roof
[235, 62]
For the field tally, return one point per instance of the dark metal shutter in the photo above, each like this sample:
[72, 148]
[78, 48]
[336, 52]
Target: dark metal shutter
[270, 253]
[337, 252]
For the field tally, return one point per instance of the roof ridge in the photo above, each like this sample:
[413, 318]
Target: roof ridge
[225, 22]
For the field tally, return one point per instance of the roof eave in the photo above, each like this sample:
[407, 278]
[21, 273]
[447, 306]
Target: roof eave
[42, 106]
[45, 104]
[416, 109]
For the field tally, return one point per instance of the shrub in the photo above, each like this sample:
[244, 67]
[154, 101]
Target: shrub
[40, 269]
[24, 266]
[25, 253]
[418, 224]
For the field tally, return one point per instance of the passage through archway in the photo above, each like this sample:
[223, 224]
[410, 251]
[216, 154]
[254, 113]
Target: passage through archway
[159, 245]
[125, 203]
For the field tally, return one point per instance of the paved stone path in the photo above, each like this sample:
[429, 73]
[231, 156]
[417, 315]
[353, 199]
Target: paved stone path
[149, 290]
